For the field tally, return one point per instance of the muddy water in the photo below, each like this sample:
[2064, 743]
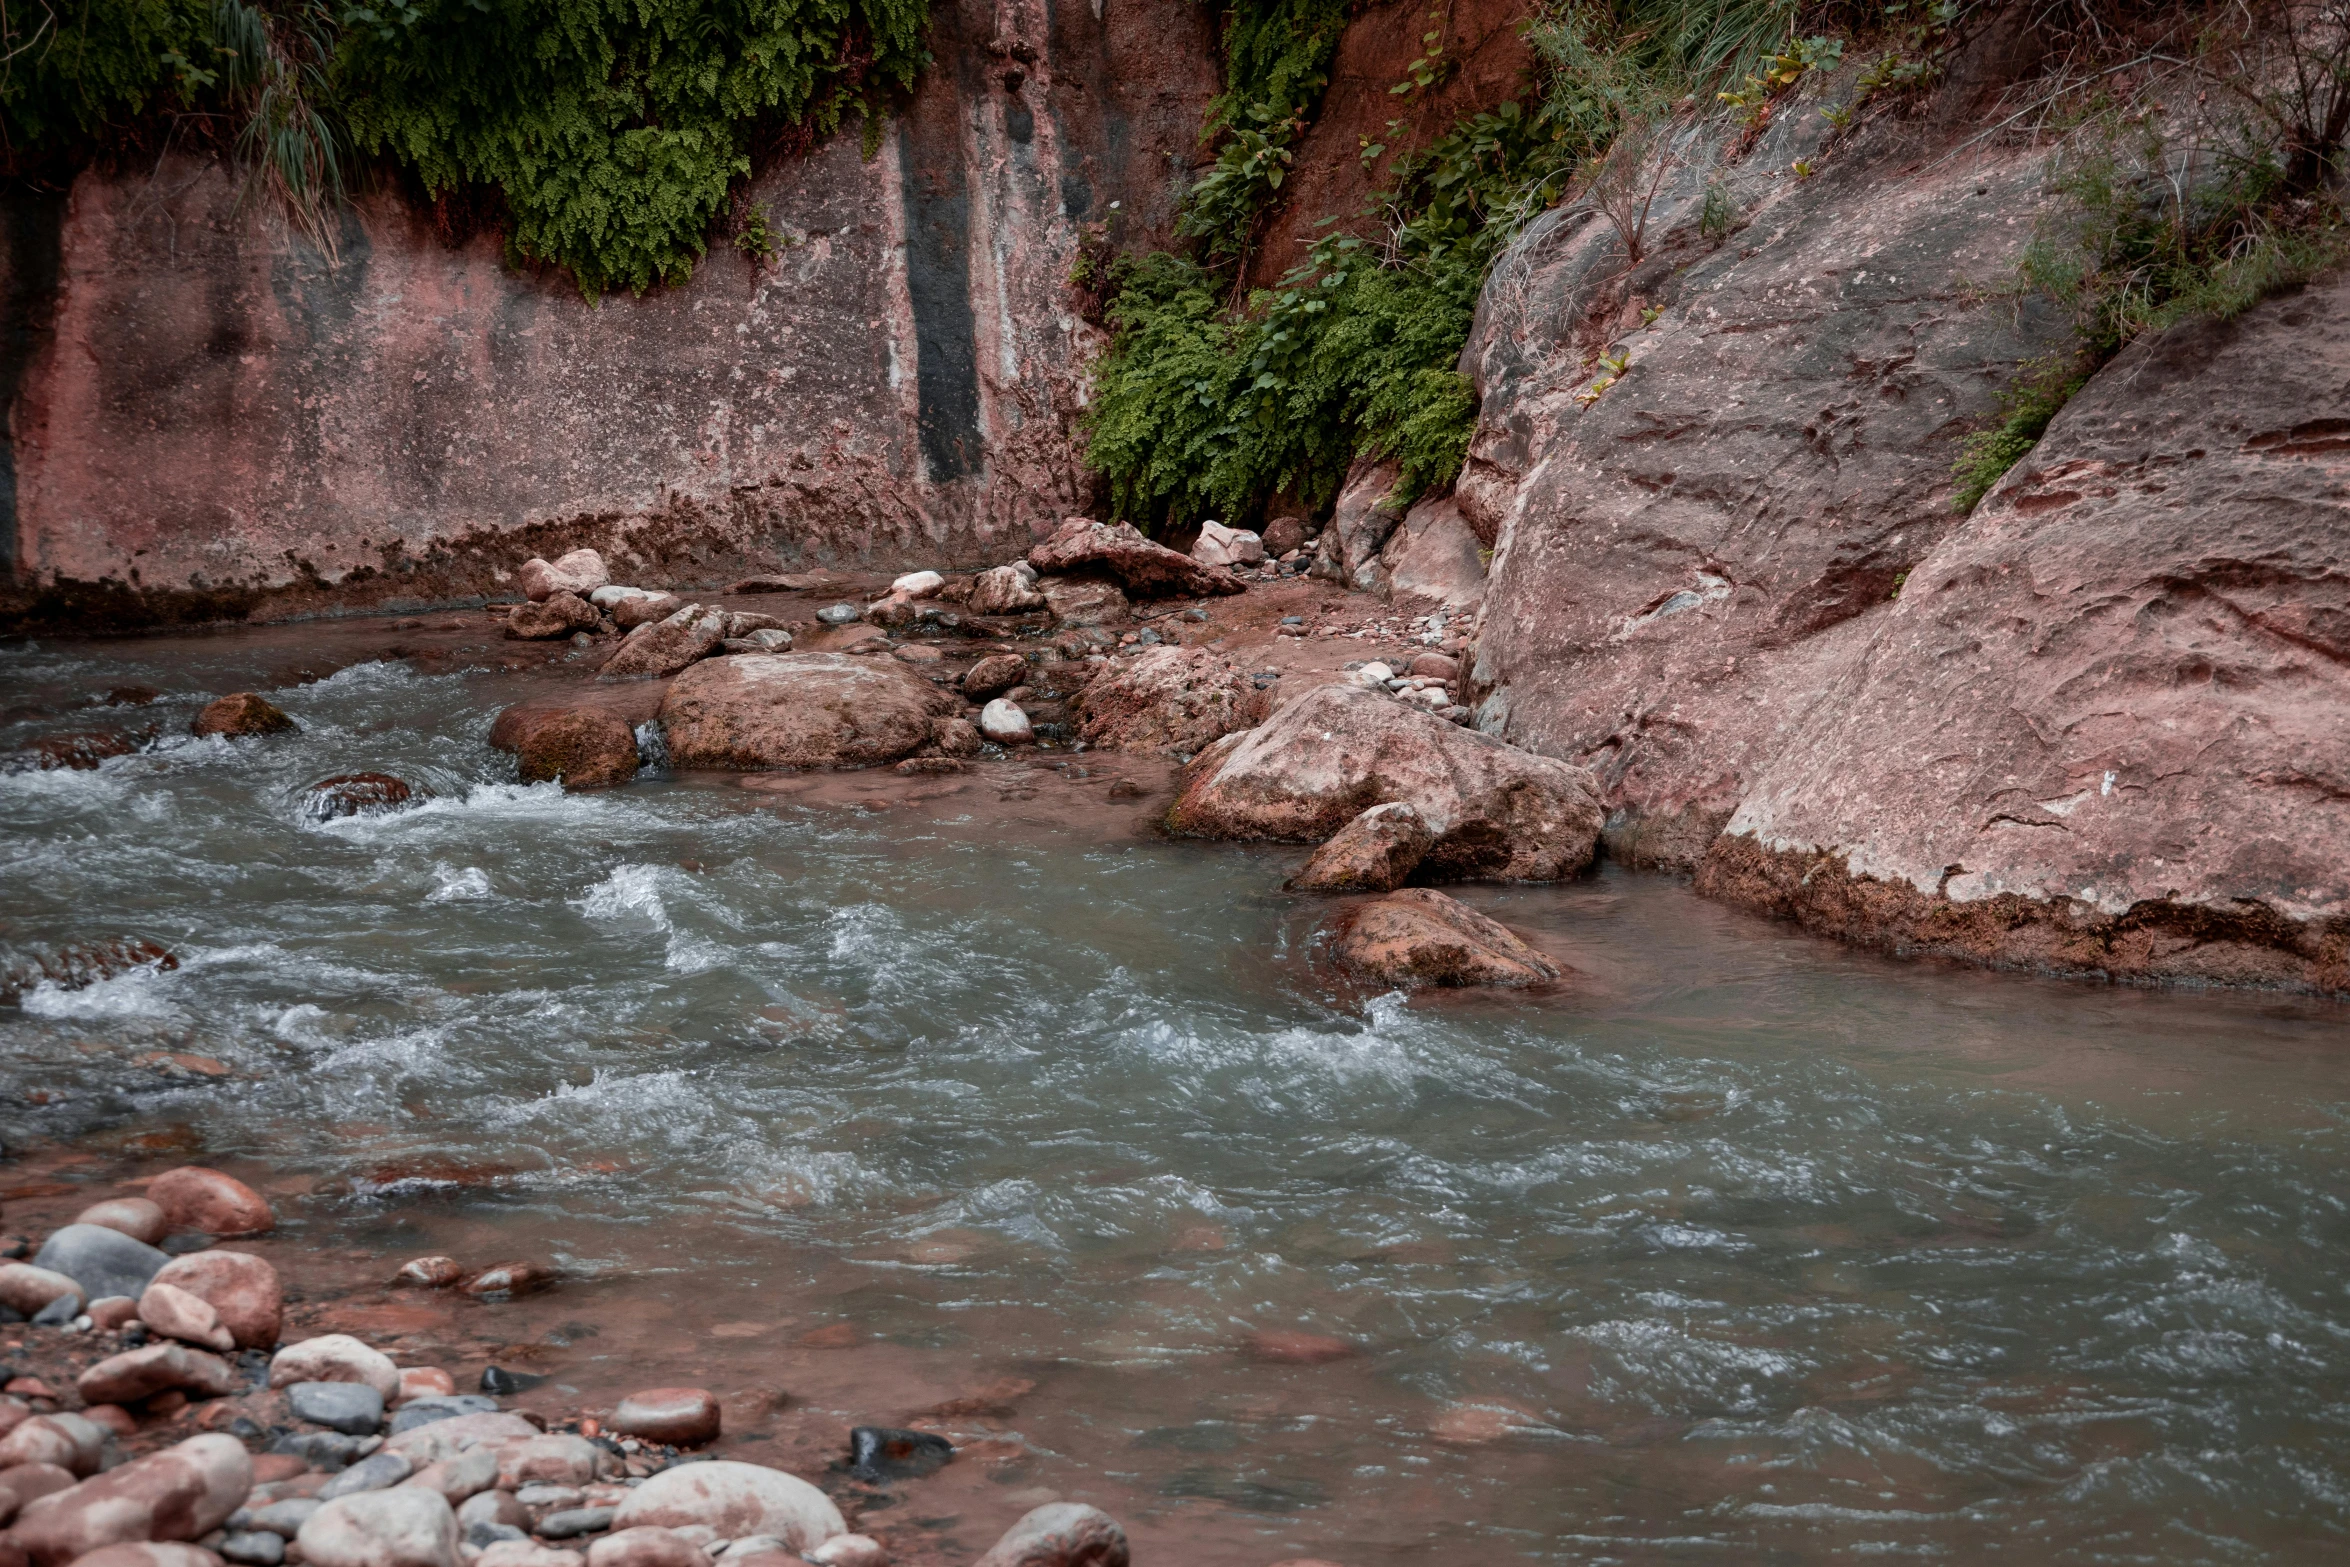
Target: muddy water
[972, 1102]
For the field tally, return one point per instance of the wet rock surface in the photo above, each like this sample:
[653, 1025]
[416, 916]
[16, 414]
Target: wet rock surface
[1116, 551]
[241, 715]
[1421, 937]
[799, 710]
[356, 794]
[1375, 852]
[1169, 699]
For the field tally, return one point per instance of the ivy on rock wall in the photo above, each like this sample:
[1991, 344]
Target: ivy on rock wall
[614, 128]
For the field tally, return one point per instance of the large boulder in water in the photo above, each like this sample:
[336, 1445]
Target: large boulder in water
[581, 572]
[1421, 937]
[668, 645]
[1169, 699]
[1118, 551]
[242, 714]
[545, 619]
[1493, 811]
[583, 748]
[758, 710]
[181, 1493]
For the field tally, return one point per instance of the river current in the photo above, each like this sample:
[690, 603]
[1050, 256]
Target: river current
[977, 1095]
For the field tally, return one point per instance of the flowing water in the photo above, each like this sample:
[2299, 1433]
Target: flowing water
[974, 1097]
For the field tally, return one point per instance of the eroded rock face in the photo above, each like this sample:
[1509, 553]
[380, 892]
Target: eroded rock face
[1321, 760]
[800, 710]
[2105, 727]
[1169, 699]
[1366, 516]
[1421, 937]
[1118, 551]
[1433, 559]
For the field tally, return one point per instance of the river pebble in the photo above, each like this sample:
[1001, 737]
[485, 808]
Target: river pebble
[573, 1522]
[399, 1528]
[252, 1548]
[376, 1472]
[673, 1416]
[350, 1407]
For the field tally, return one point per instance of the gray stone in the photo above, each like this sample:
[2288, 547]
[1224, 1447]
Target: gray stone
[102, 1261]
[481, 1535]
[440, 1406]
[252, 1548]
[838, 614]
[57, 1313]
[573, 1522]
[322, 1449]
[349, 1407]
[284, 1518]
[378, 1473]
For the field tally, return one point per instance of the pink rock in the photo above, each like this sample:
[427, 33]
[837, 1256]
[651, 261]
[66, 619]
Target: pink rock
[181, 1493]
[401, 1527]
[335, 1357]
[136, 1217]
[175, 1313]
[242, 1290]
[109, 1314]
[26, 1288]
[548, 1460]
[1060, 1534]
[558, 616]
[1143, 569]
[850, 1550]
[13, 1413]
[580, 572]
[441, 1439]
[194, 1198]
[26, 1482]
[524, 1553]
[432, 1273]
[41, 1440]
[646, 1547]
[800, 710]
[149, 1553]
[737, 1500]
[1222, 546]
[113, 1418]
[142, 1373]
[1170, 699]
[512, 1278]
[425, 1382]
[675, 1416]
[1372, 853]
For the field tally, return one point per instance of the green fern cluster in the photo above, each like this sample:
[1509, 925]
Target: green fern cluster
[1277, 56]
[74, 67]
[614, 128]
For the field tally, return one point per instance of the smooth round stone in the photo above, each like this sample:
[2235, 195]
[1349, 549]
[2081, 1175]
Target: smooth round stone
[136, 1217]
[149, 1553]
[350, 1407]
[253, 1548]
[674, 1416]
[194, 1198]
[285, 1518]
[400, 1528]
[838, 614]
[335, 1357]
[736, 1500]
[646, 1547]
[102, 1261]
[376, 1472]
[108, 1315]
[573, 1522]
[850, 1550]
[242, 1290]
[1003, 721]
[481, 1535]
[432, 1273]
[425, 1382]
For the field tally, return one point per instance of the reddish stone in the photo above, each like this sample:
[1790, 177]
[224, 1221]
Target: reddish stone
[676, 1416]
[149, 1553]
[29, 1387]
[430, 1273]
[181, 1493]
[195, 1198]
[242, 714]
[41, 1440]
[335, 1357]
[271, 1468]
[1169, 699]
[1372, 853]
[242, 1289]
[25, 1482]
[1060, 1534]
[1290, 1347]
[511, 1278]
[112, 1417]
[558, 616]
[143, 1373]
[1419, 936]
[425, 1382]
[581, 749]
[1116, 549]
[81, 752]
[646, 1547]
[137, 1217]
[995, 674]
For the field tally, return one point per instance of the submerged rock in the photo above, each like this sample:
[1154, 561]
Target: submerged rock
[1060, 1534]
[800, 710]
[1421, 937]
[558, 616]
[355, 794]
[1169, 699]
[72, 968]
[1116, 550]
[240, 715]
[1375, 852]
[1495, 812]
[80, 752]
[887, 1453]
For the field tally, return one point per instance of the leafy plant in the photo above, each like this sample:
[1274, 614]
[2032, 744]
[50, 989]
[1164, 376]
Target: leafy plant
[273, 68]
[1778, 72]
[69, 68]
[2027, 406]
[1222, 205]
[614, 128]
[752, 236]
[1277, 62]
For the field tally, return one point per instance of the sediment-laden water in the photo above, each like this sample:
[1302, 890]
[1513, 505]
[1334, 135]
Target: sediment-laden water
[973, 1094]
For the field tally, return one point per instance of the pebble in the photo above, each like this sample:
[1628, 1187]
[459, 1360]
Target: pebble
[400, 1528]
[195, 1198]
[647, 1547]
[510, 1278]
[573, 1522]
[673, 1416]
[480, 1535]
[425, 1382]
[172, 1312]
[112, 1312]
[554, 1459]
[838, 614]
[26, 1289]
[335, 1357]
[433, 1407]
[545, 1498]
[149, 1553]
[850, 1550]
[350, 1407]
[459, 1479]
[376, 1472]
[1003, 722]
[497, 1379]
[252, 1548]
[158, 1368]
[498, 1507]
[136, 1217]
[918, 584]
[324, 1449]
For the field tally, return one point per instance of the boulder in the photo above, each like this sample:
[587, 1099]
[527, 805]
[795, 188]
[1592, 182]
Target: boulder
[195, 1198]
[918, 585]
[242, 1290]
[102, 1261]
[581, 749]
[1375, 852]
[1006, 723]
[994, 675]
[1433, 560]
[1005, 590]
[1115, 550]
[629, 614]
[673, 1416]
[26, 1289]
[181, 1493]
[157, 1368]
[335, 1357]
[1367, 513]
[646, 1547]
[559, 616]
[355, 794]
[668, 645]
[1421, 937]
[149, 1553]
[398, 1528]
[800, 710]
[240, 715]
[350, 1407]
[1060, 1534]
[1323, 758]
[1084, 601]
[1221, 546]
[1169, 699]
[735, 1499]
[1284, 534]
[581, 572]
[172, 1312]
